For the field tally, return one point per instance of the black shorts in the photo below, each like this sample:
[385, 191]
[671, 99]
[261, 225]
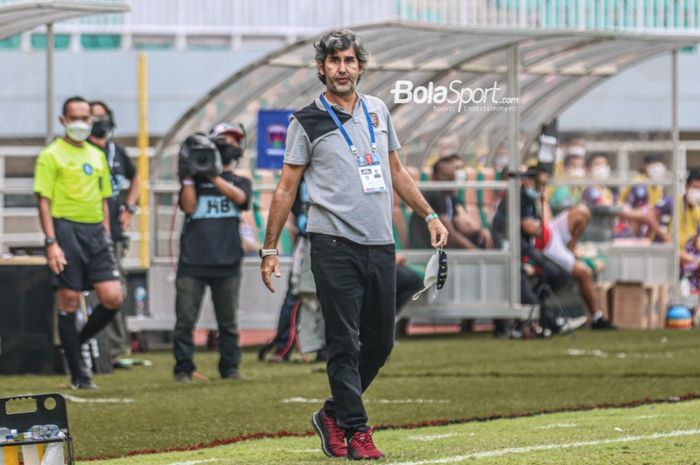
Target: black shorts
[89, 253]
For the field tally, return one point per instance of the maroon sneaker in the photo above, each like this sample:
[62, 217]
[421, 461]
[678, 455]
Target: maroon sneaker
[332, 436]
[361, 446]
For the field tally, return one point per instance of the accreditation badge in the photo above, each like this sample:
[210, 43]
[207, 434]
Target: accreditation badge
[372, 179]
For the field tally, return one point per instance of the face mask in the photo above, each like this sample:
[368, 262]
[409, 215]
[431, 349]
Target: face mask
[656, 171]
[229, 153]
[576, 172]
[532, 193]
[102, 128]
[460, 175]
[600, 172]
[78, 131]
[501, 161]
[693, 196]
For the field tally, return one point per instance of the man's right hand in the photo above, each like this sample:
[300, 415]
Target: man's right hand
[270, 264]
[183, 167]
[55, 258]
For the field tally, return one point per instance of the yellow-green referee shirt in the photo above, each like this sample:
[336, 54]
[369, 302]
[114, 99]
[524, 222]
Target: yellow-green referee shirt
[75, 179]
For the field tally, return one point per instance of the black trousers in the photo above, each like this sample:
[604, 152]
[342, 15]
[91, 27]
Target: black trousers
[188, 300]
[356, 286]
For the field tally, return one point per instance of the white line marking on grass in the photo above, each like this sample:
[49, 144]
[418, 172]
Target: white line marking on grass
[83, 400]
[558, 425]
[304, 400]
[195, 462]
[432, 437]
[602, 354]
[646, 417]
[543, 447]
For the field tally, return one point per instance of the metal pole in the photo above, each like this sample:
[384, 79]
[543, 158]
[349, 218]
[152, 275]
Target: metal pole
[49, 83]
[513, 182]
[144, 252]
[678, 174]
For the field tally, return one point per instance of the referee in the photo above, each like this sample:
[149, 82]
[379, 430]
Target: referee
[72, 183]
[345, 147]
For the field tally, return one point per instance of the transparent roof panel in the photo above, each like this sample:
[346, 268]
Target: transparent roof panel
[25, 16]
[556, 68]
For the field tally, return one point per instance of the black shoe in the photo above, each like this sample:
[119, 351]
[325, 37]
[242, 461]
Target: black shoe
[262, 353]
[183, 377]
[602, 323]
[235, 375]
[86, 385]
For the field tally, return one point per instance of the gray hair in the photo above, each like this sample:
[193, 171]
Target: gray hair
[339, 40]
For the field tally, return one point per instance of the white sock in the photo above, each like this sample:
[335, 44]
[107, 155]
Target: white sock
[597, 315]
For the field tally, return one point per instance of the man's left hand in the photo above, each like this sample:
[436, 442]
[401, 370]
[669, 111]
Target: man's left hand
[125, 219]
[438, 233]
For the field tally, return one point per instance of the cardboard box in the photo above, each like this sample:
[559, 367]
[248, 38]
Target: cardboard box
[629, 305]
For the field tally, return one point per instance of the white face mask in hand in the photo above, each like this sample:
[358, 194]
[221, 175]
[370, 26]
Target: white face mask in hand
[435, 274]
[78, 130]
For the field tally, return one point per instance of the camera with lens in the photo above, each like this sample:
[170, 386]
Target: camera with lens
[199, 155]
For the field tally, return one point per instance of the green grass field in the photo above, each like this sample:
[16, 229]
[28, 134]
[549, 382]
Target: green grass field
[665, 434]
[428, 378]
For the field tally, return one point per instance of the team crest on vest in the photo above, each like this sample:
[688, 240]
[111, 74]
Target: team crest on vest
[375, 119]
[87, 169]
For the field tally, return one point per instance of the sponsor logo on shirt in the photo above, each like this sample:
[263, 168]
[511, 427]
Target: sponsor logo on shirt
[88, 169]
[375, 119]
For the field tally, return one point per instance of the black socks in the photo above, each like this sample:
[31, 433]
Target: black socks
[100, 317]
[68, 333]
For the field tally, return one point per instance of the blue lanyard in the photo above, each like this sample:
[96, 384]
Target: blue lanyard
[342, 130]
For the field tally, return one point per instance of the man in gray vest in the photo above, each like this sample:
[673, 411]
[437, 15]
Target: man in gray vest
[345, 147]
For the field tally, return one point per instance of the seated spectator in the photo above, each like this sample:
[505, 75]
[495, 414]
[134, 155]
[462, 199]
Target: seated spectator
[557, 237]
[465, 232]
[663, 210]
[563, 197]
[632, 220]
[690, 221]
[653, 168]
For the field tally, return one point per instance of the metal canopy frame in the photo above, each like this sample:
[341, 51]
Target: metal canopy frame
[557, 67]
[27, 15]
[547, 70]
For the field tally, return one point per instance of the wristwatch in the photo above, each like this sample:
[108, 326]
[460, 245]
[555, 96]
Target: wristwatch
[266, 252]
[133, 209]
[49, 241]
[431, 217]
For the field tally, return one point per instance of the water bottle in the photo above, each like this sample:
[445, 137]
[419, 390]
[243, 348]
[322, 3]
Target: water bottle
[39, 432]
[44, 454]
[9, 454]
[140, 295]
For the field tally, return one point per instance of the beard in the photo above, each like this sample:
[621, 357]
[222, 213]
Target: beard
[345, 89]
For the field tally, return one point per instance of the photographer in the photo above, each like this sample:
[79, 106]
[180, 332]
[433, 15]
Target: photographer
[210, 244]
